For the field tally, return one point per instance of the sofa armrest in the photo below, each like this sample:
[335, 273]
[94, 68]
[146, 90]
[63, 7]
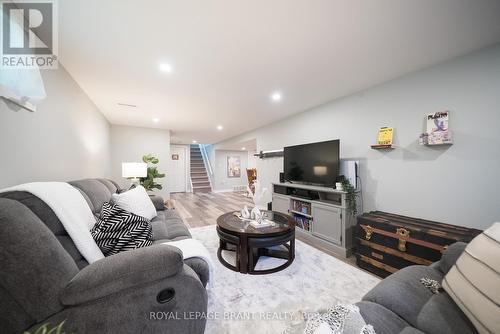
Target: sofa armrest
[450, 256]
[122, 271]
[158, 202]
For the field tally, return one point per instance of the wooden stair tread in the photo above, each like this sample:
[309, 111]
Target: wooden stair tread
[199, 176]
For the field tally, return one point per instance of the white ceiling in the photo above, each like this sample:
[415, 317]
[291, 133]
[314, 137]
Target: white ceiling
[246, 145]
[229, 56]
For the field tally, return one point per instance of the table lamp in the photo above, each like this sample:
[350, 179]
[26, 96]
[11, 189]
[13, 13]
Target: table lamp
[133, 171]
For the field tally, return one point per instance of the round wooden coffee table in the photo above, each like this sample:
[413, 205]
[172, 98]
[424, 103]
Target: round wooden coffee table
[250, 243]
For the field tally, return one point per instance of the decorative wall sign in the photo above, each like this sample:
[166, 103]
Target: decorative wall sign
[384, 139]
[233, 166]
[385, 136]
[175, 157]
[437, 130]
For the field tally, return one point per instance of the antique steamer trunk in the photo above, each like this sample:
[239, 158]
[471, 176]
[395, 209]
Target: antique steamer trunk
[388, 242]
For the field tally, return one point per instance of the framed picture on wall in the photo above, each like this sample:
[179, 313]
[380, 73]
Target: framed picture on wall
[233, 166]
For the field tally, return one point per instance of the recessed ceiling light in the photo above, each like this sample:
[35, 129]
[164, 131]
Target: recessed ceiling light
[243, 148]
[276, 96]
[164, 67]
[220, 127]
[156, 120]
[194, 141]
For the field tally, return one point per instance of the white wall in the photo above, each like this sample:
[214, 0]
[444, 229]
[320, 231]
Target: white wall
[252, 159]
[129, 144]
[459, 184]
[67, 138]
[211, 159]
[221, 181]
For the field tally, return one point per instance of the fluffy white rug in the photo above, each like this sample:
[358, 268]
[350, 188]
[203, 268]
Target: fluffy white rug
[239, 303]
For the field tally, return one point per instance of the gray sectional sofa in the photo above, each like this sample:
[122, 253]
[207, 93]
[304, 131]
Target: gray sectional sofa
[401, 304]
[45, 279]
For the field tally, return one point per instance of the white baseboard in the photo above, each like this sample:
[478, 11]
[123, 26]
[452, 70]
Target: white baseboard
[223, 191]
[228, 191]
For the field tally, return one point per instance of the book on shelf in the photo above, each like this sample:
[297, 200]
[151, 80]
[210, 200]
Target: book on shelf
[440, 137]
[302, 207]
[438, 122]
[385, 136]
[302, 222]
[438, 131]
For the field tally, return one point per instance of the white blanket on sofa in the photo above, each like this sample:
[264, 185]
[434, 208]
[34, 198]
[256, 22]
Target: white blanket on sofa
[193, 248]
[72, 210]
[74, 213]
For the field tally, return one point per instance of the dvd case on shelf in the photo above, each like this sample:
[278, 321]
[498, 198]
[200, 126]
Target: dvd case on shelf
[302, 222]
[300, 206]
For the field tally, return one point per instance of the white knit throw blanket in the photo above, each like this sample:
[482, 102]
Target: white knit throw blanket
[74, 213]
[193, 248]
[340, 319]
[72, 210]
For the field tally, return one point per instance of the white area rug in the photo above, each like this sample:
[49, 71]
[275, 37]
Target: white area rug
[271, 303]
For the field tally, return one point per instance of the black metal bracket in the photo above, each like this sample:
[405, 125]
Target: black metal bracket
[269, 154]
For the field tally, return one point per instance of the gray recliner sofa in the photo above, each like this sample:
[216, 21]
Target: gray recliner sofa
[401, 304]
[45, 279]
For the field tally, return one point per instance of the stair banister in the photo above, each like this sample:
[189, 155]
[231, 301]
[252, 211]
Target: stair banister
[208, 165]
[205, 159]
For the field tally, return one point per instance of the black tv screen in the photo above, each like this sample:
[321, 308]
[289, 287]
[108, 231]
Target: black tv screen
[316, 163]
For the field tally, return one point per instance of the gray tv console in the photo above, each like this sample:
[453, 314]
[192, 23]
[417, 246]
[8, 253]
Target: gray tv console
[329, 225]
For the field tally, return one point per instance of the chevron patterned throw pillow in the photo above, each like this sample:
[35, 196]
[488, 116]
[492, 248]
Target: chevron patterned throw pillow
[118, 230]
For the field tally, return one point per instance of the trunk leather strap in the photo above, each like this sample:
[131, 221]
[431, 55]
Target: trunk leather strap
[403, 236]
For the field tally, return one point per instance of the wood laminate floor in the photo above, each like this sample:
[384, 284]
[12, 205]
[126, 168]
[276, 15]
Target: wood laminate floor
[202, 209]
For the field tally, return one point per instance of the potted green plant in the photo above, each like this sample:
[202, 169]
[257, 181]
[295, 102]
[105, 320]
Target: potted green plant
[46, 329]
[352, 207]
[149, 182]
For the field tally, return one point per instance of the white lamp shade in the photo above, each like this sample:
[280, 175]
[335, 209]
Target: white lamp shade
[134, 169]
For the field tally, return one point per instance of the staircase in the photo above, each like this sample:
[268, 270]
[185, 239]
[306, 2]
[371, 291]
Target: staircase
[199, 176]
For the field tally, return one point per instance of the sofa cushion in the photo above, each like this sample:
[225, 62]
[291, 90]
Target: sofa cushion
[450, 256]
[169, 226]
[95, 190]
[383, 320]
[170, 215]
[112, 186]
[200, 267]
[89, 202]
[411, 330]
[441, 315]
[35, 268]
[136, 201]
[402, 292]
[122, 272]
[158, 202]
[49, 218]
[474, 281]
[118, 230]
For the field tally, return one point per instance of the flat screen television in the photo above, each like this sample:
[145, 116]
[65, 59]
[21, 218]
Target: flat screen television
[315, 163]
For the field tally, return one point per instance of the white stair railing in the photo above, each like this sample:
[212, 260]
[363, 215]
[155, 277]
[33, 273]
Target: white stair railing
[208, 165]
[206, 161]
